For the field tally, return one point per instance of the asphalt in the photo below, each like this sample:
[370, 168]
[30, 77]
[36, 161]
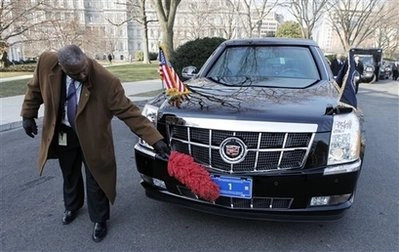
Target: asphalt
[138, 92]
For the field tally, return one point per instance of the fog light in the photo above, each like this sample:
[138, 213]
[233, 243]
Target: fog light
[159, 183]
[319, 201]
[329, 200]
[153, 181]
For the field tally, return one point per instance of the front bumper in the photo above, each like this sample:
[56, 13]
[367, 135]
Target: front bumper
[282, 196]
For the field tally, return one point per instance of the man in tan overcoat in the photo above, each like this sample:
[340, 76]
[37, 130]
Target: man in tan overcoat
[80, 98]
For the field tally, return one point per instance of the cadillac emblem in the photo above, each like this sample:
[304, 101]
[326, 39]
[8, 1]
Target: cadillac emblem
[233, 150]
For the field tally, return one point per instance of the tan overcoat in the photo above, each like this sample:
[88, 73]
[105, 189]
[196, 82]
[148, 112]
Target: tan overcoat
[102, 98]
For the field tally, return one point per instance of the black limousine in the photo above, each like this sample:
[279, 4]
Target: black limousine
[263, 119]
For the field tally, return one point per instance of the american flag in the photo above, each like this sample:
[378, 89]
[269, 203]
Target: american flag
[174, 86]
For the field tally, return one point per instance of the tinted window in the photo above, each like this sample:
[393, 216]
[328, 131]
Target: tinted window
[262, 64]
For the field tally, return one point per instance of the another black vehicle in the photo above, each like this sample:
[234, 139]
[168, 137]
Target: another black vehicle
[264, 118]
[371, 59]
[386, 70]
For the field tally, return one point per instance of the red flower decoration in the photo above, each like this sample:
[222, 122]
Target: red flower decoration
[191, 174]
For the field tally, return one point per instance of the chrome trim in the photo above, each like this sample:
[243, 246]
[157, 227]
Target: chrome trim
[308, 150]
[234, 160]
[283, 149]
[257, 153]
[343, 168]
[255, 126]
[146, 151]
[282, 152]
[323, 61]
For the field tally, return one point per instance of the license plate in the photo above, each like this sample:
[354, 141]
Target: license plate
[234, 187]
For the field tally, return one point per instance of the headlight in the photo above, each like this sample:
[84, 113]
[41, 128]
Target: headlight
[151, 112]
[369, 69]
[345, 139]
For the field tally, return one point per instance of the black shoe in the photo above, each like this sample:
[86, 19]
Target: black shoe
[99, 231]
[69, 216]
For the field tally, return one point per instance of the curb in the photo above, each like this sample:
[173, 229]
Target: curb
[10, 126]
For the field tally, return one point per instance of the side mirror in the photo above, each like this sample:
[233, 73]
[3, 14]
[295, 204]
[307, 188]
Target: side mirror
[189, 72]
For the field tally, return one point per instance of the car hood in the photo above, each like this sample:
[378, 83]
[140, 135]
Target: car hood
[208, 99]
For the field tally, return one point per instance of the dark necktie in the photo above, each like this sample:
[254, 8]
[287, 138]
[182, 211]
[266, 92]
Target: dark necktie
[72, 104]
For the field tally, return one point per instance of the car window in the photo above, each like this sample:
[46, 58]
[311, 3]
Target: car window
[263, 63]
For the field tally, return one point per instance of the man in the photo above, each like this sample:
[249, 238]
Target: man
[360, 69]
[110, 58]
[395, 70]
[337, 64]
[80, 98]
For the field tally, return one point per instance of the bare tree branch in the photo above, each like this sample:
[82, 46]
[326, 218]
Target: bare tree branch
[307, 13]
[355, 21]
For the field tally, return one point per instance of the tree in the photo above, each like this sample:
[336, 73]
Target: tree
[137, 9]
[307, 13]
[63, 33]
[289, 29]
[252, 13]
[197, 18]
[229, 19]
[355, 21]
[166, 12]
[17, 17]
[387, 33]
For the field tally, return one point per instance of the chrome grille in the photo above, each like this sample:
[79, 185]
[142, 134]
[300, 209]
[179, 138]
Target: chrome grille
[266, 151]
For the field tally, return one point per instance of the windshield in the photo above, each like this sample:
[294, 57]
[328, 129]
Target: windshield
[265, 66]
[367, 59]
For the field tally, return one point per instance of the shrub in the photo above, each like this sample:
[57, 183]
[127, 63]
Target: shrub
[153, 55]
[194, 53]
[19, 68]
[139, 56]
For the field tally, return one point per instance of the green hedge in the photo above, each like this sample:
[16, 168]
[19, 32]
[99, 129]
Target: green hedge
[19, 68]
[194, 53]
[140, 55]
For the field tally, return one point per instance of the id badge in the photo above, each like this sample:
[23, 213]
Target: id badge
[62, 139]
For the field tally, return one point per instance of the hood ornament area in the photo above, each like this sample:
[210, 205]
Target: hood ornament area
[233, 150]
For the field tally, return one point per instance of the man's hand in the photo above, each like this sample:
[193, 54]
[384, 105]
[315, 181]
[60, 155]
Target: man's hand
[162, 149]
[30, 126]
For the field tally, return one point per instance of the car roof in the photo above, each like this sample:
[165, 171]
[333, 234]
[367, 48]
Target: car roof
[270, 41]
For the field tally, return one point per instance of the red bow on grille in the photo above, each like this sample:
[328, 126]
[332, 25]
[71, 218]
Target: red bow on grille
[191, 174]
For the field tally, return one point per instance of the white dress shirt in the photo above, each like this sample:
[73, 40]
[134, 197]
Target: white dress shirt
[78, 87]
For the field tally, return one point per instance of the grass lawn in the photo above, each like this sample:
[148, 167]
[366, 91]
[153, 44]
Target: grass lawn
[126, 73]
[12, 88]
[135, 71]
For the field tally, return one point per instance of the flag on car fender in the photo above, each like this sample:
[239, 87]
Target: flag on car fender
[175, 89]
[346, 80]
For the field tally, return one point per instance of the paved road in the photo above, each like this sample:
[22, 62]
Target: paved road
[31, 206]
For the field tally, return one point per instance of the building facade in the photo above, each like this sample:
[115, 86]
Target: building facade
[102, 26]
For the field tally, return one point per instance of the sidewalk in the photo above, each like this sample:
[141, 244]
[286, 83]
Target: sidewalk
[11, 106]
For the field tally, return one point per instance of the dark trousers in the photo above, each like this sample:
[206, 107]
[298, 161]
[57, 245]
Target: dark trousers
[70, 160]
